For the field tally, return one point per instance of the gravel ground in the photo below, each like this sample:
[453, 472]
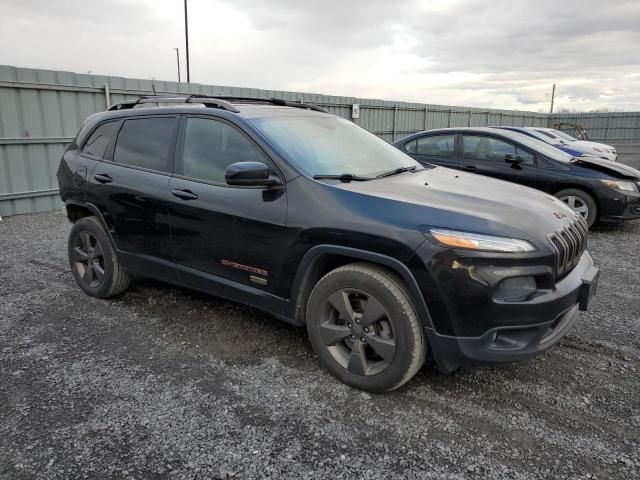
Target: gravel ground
[165, 383]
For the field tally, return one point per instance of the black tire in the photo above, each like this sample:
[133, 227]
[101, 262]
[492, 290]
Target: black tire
[94, 262]
[393, 346]
[586, 200]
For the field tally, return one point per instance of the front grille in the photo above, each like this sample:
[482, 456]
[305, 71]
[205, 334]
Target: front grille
[568, 245]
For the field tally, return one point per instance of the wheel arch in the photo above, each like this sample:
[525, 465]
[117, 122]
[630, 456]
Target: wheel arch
[321, 259]
[78, 210]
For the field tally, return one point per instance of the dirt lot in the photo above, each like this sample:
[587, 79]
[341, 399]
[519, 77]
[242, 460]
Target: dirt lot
[165, 383]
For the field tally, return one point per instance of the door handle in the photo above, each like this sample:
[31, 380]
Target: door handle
[471, 168]
[184, 194]
[103, 178]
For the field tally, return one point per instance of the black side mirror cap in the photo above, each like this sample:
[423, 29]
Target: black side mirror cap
[250, 174]
[513, 159]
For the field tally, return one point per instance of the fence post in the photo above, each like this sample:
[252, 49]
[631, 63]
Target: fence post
[426, 112]
[107, 95]
[449, 120]
[606, 134]
[395, 118]
[469, 120]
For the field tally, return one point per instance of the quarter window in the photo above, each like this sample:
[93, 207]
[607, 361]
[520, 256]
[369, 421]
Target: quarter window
[146, 143]
[438, 146]
[211, 146]
[492, 149]
[100, 139]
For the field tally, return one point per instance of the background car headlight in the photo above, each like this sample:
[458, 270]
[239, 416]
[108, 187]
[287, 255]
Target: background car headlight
[625, 185]
[597, 150]
[477, 241]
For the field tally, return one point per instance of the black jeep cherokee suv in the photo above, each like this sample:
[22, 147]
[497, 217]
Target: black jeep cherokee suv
[303, 214]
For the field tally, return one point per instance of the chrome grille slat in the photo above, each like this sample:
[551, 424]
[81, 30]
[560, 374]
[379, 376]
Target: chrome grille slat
[568, 244]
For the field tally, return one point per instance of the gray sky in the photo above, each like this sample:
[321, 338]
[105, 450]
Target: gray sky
[497, 53]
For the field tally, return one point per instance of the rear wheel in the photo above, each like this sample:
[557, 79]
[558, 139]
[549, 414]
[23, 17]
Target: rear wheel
[363, 327]
[93, 261]
[580, 202]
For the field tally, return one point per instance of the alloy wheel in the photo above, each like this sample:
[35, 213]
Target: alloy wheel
[88, 259]
[358, 332]
[577, 205]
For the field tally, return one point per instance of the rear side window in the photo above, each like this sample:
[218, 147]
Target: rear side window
[100, 139]
[211, 146]
[438, 146]
[146, 143]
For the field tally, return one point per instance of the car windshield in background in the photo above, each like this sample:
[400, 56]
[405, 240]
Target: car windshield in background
[547, 134]
[564, 136]
[541, 147]
[332, 146]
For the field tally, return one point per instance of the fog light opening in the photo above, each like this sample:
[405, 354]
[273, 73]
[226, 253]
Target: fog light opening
[517, 289]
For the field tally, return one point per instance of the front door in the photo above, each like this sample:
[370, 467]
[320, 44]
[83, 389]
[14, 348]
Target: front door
[485, 155]
[224, 237]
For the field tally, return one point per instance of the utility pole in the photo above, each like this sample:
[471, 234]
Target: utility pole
[553, 94]
[186, 38]
[178, 62]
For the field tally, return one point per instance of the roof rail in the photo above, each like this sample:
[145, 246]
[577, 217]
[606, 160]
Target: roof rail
[209, 101]
[274, 101]
[223, 102]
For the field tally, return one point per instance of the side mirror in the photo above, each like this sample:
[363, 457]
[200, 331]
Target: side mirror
[250, 174]
[513, 159]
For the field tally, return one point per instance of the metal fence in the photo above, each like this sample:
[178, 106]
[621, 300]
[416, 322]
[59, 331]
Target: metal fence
[609, 128]
[41, 111]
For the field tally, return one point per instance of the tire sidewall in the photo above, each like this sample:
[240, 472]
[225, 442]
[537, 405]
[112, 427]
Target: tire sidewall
[91, 225]
[404, 335]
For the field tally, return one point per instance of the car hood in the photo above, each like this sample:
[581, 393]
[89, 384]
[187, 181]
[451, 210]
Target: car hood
[467, 201]
[610, 168]
[590, 144]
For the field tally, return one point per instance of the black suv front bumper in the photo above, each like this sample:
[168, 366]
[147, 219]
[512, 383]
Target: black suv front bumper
[555, 312]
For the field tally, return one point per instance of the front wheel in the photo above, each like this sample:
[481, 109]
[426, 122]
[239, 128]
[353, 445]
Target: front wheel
[580, 202]
[362, 325]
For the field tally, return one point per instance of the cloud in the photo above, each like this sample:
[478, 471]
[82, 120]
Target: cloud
[464, 52]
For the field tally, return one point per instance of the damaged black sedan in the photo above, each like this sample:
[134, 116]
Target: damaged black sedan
[598, 190]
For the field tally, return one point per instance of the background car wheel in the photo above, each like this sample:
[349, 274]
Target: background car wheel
[363, 327]
[580, 202]
[93, 261]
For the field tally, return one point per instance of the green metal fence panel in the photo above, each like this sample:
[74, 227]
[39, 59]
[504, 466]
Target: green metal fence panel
[41, 111]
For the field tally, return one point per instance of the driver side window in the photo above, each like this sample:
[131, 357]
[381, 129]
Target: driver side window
[210, 146]
[477, 147]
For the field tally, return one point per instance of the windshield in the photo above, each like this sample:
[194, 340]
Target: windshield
[321, 145]
[564, 136]
[541, 147]
[547, 134]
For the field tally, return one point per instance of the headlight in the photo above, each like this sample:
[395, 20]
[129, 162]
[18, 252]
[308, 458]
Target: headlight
[477, 241]
[625, 185]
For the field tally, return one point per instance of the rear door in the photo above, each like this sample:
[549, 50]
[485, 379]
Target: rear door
[485, 155]
[436, 149]
[223, 233]
[129, 188]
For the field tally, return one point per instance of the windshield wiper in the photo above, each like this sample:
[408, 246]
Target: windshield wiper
[345, 177]
[396, 171]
